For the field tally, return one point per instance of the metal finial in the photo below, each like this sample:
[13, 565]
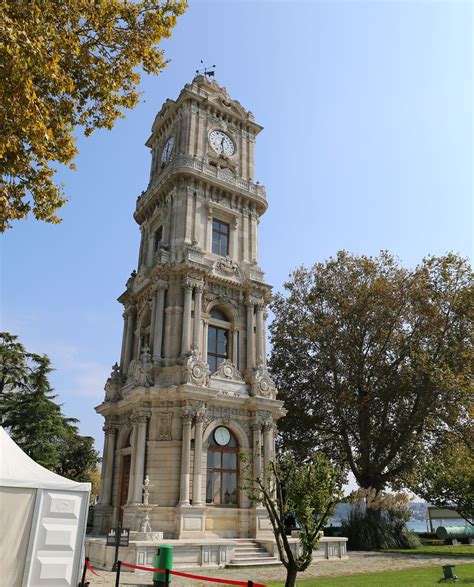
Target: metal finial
[207, 71]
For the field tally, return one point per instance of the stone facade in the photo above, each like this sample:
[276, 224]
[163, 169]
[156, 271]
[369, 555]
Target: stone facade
[193, 350]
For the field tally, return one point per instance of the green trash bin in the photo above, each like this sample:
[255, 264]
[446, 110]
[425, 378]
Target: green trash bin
[163, 560]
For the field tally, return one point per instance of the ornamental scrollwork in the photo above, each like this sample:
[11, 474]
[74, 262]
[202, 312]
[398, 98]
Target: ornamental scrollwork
[140, 373]
[227, 370]
[113, 385]
[261, 384]
[195, 370]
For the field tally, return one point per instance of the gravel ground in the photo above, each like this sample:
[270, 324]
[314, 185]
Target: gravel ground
[358, 562]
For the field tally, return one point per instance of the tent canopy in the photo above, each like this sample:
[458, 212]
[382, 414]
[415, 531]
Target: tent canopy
[17, 469]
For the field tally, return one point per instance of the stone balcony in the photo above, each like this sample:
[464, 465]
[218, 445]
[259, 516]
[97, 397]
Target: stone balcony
[186, 164]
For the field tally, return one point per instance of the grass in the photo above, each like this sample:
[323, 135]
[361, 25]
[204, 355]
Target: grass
[466, 550]
[408, 578]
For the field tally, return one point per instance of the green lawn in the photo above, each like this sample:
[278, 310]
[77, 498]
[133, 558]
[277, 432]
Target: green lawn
[408, 578]
[443, 550]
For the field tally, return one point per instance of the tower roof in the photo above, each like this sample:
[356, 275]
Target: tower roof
[203, 90]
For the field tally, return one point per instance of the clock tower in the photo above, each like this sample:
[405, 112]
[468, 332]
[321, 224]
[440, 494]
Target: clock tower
[191, 390]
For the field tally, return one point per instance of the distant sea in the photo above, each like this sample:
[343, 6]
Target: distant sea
[417, 525]
[420, 525]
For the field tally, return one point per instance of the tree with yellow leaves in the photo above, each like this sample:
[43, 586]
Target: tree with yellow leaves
[67, 63]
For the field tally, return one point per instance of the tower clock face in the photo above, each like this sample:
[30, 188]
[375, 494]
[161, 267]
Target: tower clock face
[222, 436]
[167, 149]
[221, 143]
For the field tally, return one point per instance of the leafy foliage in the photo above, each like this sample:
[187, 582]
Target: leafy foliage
[378, 521]
[34, 420]
[374, 359]
[67, 63]
[446, 478]
[306, 491]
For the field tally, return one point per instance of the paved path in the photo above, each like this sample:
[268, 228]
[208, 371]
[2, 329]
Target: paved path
[358, 562]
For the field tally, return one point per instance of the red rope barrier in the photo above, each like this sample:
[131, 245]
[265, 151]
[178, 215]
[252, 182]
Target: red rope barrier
[188, 576]
[88, 565]
[214, 580]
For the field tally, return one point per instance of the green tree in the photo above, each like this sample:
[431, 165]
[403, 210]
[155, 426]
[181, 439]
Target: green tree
[306, 491]
[67, 63]
[374, 359]
[34, 420]
[446, 478]
[78, 457]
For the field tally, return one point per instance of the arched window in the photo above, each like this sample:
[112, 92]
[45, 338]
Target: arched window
[222, 468]
[217, 339]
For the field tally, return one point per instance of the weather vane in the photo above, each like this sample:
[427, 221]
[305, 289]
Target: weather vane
[208, 71]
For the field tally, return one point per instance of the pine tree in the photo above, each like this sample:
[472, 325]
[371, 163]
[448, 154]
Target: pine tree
[32, 417]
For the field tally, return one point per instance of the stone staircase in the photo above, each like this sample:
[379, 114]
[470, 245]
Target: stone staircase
[249, 553]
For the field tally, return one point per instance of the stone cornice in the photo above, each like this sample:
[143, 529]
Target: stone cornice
[184, 164]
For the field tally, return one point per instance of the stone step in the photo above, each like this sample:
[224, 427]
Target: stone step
[250, 553]
[251, 549]
[273, 562]
[256, 552]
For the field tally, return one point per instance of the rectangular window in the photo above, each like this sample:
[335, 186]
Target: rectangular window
[158, 238]
[220, 238]
[217, 347]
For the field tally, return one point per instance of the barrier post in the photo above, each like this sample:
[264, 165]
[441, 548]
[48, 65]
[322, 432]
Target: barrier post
[249, 583]
[117, 576]
[167, 578]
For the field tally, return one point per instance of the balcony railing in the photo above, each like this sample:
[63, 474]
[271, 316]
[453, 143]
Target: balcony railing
[224, 175]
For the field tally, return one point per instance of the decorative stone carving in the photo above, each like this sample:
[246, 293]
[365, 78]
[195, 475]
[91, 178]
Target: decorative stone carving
[261, 384]
[227, 370]
[113, 385]
[195, 370]
[140, 373]
[139, 415]
[227, 268]
[131, 279]
[165, 426]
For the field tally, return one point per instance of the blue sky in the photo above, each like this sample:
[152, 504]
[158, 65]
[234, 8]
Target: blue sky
[367, 145]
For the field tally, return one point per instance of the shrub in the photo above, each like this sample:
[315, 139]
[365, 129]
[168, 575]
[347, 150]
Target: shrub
[378, 521]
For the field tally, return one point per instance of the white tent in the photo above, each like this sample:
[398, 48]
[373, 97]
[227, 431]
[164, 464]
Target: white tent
[43, 520]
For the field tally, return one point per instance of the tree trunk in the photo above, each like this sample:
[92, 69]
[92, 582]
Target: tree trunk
[291, 573]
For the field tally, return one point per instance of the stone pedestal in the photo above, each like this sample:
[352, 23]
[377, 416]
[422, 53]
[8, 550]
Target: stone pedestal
[132, 517]
[260, 526]
[103, 518]
[191, 522]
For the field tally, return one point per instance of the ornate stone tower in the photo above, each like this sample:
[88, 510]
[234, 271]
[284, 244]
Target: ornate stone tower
[192, 389]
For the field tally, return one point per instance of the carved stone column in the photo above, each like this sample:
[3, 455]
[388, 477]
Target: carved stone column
[197, 473]
[133, 445]
[209, 230]
[253, 237]
[256, 428]
[250, 336]
[140, 424]
[197, 316]
[106, 476]
[259, 333]
[235, 240]
[131, 313]
[159, 320]
[267, 446]
[235, 347]
[205, 332]
[124, 340]
[185, 459]
[185, 338]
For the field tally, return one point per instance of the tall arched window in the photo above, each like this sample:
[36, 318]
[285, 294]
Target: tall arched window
[217, 339]
[222, 468]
